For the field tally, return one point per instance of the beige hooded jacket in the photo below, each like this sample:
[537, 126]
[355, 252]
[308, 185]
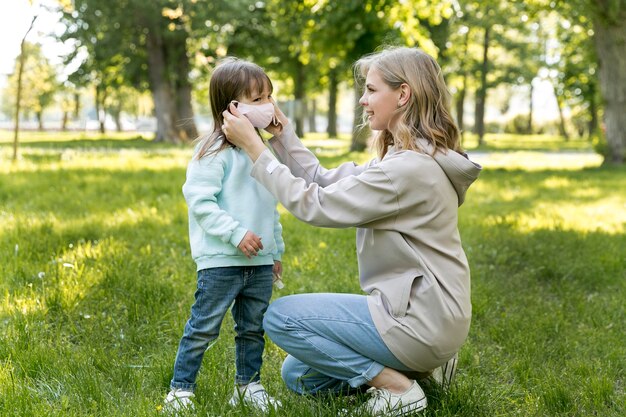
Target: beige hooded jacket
[411, 263]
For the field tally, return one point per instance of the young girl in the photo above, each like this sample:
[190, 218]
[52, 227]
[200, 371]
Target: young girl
[235, 238]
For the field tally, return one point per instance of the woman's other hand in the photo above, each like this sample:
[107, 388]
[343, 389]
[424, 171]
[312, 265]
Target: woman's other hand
[240, 132]
[283, 121]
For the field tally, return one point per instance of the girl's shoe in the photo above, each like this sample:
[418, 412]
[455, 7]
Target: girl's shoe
[387, 404]
[255, 396]
[178, 400]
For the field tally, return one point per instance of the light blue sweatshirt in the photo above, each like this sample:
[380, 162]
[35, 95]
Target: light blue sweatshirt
[225, 202]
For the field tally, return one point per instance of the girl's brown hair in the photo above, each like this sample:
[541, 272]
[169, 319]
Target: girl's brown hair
[232, 79]
[427, 113]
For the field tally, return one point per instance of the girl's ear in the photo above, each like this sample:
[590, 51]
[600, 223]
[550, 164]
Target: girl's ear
[405, 94]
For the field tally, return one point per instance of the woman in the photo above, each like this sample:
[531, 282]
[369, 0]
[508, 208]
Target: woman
[416, 313]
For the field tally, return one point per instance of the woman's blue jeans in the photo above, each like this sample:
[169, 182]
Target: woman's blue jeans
[250, 288]
[332, 342]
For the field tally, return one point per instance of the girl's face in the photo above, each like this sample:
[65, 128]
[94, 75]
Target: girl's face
[379, 101]
[263, 97]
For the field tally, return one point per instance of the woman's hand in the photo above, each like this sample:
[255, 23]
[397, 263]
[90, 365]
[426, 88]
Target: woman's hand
[240, 132]
[283, 121]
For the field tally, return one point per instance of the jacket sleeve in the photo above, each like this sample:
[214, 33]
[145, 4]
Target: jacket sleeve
[278, 236]
[203, 184]
[354, 200]
[304, 164]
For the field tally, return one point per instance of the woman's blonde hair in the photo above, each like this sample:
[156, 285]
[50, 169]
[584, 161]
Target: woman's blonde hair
[427, 113]
[232, 79]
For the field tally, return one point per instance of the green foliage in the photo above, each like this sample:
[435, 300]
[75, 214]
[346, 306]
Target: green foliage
[518, 125]
[39, 84]
[599, 144]
[97, 280]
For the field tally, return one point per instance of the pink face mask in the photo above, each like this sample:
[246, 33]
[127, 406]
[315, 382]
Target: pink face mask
[260, 115]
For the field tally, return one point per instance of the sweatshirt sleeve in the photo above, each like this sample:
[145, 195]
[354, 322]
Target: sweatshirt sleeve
[203, 184]
[278, 237]
[352, 201]
[304, 164]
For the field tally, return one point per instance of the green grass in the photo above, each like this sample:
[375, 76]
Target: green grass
[96, 281]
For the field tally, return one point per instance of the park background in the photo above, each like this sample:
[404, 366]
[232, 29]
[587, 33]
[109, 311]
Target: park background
[96, 277]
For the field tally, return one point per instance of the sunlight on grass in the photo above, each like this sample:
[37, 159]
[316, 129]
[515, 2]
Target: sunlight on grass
[27, 137]
[535, 161]
[116, 160]
[96, 283]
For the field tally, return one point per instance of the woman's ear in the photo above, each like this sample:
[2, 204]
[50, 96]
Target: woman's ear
[405, 94]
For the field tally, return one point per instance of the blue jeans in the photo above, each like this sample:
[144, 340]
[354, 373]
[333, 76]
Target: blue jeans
[250, 288]
[332, 342]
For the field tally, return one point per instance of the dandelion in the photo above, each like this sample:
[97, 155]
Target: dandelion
[17, 249]
[41, 275]
[68, 265]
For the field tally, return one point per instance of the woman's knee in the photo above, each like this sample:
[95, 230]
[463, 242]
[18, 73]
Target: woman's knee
[274, 319]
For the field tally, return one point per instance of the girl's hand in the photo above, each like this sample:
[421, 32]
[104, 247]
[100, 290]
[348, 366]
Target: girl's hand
[278, 268]
[277, 130]
[240, 132]
[277, 271]
[250, 245]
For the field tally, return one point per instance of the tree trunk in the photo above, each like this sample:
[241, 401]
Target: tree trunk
[481, 94]
[299, 96]
[610, 42]
[117, 117]
[66, 117]
[360, 132]
[559, 106]
[100, 111]
[18, 99]
[460, 99]
[184, 110]
[312, 112]
[332, 103]
[593, 112]
[529, 127]
[460, 107]
[39, 115]
[160, 88]
[76, 106]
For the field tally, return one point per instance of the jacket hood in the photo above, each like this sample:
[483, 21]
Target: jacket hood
[458, 168]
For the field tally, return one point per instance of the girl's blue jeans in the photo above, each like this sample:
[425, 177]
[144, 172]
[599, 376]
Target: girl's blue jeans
[332, 342]
[248, 289]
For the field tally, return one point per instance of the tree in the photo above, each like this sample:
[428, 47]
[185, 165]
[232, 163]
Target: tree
[35, 71]
[19, 89]
[138, 43]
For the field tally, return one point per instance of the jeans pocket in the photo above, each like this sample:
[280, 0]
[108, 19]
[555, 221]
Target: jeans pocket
[218, 278]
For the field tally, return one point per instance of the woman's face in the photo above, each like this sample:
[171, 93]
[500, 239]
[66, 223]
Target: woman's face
[379, 101]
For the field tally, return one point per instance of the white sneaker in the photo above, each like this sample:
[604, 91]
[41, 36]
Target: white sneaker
[178, 400]
[387, 404]
[255, 396]
[444, 375]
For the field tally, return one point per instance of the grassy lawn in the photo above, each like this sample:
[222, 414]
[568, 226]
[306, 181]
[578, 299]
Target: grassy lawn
[96, 282]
